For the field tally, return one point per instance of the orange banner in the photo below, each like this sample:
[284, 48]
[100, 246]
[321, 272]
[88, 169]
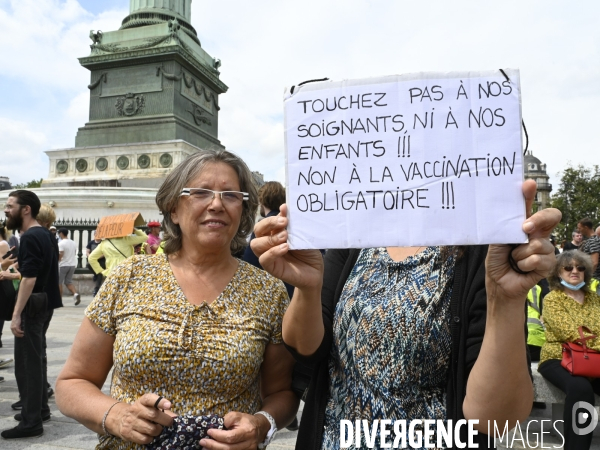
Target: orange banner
[120, 225]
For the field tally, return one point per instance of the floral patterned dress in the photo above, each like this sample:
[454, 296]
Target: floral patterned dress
[205, 359]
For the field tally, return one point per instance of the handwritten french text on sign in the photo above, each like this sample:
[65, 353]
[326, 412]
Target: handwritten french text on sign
[120, 225]
[419, 159]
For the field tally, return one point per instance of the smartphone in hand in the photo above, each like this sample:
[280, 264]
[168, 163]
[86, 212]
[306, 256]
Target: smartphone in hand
[12, 253]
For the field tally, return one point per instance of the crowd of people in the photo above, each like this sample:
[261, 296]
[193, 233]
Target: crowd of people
[215, 330]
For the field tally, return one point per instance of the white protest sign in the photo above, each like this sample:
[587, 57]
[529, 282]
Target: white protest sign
[418, 159]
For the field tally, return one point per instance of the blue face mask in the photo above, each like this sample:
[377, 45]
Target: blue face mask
[573, 287]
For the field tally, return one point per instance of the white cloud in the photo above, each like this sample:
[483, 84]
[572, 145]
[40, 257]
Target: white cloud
[22, 151]
[42, 39]
[79, 107]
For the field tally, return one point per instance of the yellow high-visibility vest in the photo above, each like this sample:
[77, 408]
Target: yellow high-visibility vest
[594, 285]
[536, 334]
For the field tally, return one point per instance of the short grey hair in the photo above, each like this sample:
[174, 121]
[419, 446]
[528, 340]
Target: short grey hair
[574, 233]
[169, 192]
[573, 257]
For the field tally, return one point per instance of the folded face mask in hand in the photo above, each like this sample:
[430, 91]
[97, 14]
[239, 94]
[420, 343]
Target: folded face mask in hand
[186, 432]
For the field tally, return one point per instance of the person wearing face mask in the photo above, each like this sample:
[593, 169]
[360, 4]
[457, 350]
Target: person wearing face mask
[570, 305]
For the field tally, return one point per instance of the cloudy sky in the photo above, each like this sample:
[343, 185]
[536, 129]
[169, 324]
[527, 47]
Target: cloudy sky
[269, 44]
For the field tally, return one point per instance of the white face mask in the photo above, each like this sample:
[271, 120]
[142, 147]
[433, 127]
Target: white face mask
[573, 287]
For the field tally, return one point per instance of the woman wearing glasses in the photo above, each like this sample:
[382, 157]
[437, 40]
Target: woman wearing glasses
[193, 331]
[568, 306]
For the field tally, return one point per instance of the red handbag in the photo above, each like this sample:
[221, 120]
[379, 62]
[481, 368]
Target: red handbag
[580, 360]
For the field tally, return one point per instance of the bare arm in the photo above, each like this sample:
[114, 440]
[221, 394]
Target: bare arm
[276, 385]
[277, 399]
[139, 238]
[78, 391]
[594, 257]
[78, 386]
[6, 275]
[499, 387]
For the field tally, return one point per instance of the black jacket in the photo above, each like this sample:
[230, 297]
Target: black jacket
[468, 311]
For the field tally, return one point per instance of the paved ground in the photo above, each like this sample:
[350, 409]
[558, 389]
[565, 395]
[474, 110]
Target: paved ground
[64, 433]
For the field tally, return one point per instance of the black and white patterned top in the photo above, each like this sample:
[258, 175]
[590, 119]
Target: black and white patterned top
[392, 341]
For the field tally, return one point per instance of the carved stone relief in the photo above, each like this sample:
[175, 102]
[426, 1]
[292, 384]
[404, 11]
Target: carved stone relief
[144, 161]
[130, 105]
[166, 160]
[101, 164]
[198, 93]
[81, 165]
[196, 113]
[62, 166]
[123, 162]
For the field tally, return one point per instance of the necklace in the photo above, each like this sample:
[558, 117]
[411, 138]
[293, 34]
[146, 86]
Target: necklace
[400, 253]
[417, 250]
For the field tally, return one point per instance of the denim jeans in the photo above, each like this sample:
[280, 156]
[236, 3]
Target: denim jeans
[31, 368]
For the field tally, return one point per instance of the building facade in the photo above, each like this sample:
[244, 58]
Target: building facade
[536, 170]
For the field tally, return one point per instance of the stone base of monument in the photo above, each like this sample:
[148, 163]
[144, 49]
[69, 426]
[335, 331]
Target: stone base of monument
[93, 203]
[138, 165]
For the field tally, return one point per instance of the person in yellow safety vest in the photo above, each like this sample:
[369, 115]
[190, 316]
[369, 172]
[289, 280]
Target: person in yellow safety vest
[535, 328]
[594, 286]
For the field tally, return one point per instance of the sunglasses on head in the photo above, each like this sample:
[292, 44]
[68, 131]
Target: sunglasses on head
[570, 268]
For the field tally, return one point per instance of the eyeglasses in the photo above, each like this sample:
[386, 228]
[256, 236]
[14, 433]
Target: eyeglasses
[570, 268]
[206, 196]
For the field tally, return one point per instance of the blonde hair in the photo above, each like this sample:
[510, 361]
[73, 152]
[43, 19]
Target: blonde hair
[46, 216]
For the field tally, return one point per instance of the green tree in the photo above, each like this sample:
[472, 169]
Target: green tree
[578, 196]
[29, 185]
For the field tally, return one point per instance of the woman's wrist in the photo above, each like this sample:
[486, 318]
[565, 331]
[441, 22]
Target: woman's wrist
[263, 427]
[112, 419]
[309, 294]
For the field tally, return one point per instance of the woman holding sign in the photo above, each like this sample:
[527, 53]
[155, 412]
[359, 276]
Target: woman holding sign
[193, 334]
[409, 333]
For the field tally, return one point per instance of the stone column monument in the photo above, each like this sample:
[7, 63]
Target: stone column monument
[154, 99]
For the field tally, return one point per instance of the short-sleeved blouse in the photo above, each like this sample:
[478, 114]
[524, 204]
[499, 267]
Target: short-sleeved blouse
[391, 351]
[204, 359]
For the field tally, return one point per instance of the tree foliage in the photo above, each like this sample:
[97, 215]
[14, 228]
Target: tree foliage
[577, 197]
[29, 185]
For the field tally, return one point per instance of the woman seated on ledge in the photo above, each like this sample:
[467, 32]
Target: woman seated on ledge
[192, 331]
[410, 333]
[568, 306]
